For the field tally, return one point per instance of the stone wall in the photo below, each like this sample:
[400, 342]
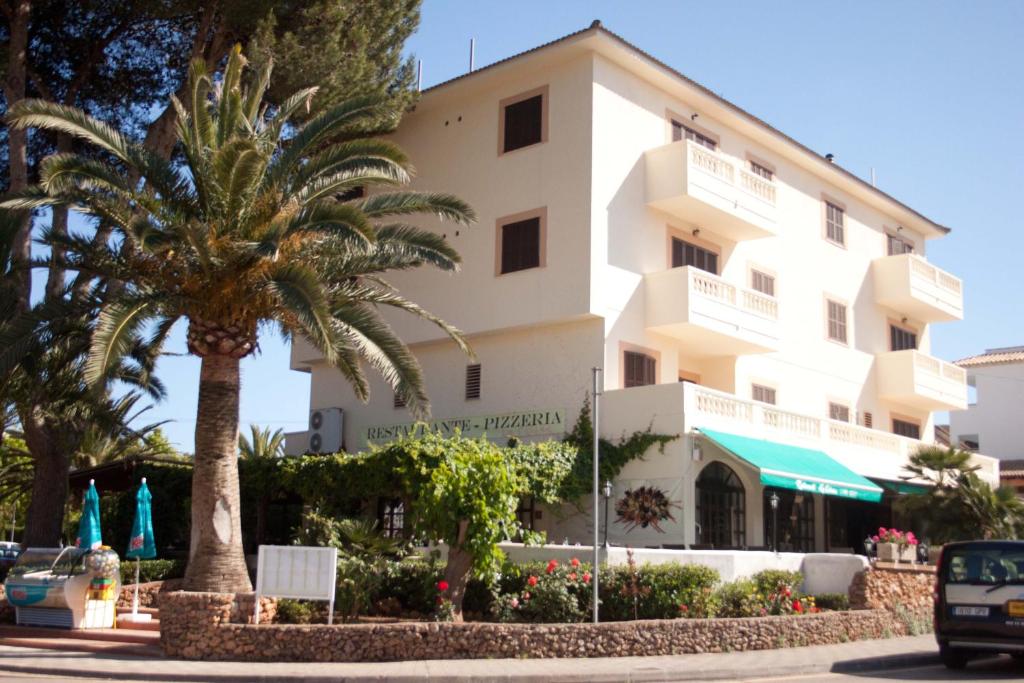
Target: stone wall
[888, 586]
[200, 626]
[149, 592]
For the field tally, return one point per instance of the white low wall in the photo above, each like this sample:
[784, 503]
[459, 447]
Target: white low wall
[823, 572]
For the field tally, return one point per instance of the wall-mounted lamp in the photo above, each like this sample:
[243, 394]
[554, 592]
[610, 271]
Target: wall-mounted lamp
[696, 452]
[693, 116]
[899, 228]
[903, 320]
[696, 231]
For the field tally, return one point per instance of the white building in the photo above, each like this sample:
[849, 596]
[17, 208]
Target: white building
[725, 277]
[993, 424]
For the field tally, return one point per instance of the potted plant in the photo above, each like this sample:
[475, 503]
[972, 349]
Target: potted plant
[894, 545]
[645, 506]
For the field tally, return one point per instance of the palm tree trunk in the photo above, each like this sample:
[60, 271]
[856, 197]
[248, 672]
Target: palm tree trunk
[45, 515]
[217, 562]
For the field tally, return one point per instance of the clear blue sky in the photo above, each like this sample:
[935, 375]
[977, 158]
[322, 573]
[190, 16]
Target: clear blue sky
[928, 93]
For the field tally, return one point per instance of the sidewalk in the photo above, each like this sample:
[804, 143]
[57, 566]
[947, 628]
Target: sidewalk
[858, 656]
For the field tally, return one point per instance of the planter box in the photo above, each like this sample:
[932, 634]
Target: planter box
[891, 552]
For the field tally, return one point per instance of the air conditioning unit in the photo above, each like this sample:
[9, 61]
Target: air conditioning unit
[326, 430]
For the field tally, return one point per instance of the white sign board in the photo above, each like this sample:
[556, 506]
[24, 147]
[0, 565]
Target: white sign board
[296, 572]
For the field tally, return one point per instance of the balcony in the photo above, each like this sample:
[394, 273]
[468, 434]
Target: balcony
[714, 317]
[710, 190]
[916, 379]
[910, 285]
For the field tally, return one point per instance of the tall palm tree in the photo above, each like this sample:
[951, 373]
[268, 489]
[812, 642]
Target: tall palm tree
[267, 224]
[263, 444]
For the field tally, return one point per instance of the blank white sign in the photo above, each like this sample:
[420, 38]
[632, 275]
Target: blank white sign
[296, 572]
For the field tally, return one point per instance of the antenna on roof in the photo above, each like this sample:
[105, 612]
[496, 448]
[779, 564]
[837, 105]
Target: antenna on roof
[472, 52]
[419, 75]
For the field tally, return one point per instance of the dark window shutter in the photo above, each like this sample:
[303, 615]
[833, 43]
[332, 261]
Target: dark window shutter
[472, 381]
[869, 420]
[523, 123]
[639, 369]
[686, 254]
[399, 401]
[907, 429]
[901, 339]
[520, 245]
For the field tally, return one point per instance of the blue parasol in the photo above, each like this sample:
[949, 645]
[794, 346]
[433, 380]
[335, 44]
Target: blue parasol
[89, 535]
[141, 544]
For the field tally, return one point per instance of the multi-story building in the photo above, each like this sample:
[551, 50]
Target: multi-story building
[992, 424]
[738, 289]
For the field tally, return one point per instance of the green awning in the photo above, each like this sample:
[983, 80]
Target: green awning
[903, 487]
[799, 469]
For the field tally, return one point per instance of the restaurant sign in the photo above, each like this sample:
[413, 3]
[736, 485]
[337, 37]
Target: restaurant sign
[524, 423]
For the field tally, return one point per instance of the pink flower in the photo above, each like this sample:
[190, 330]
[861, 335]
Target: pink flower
[875, 538]
[787, 592]
[515, 603]
[684, 609]
[575, 562]
[586, 577]
[572, 576]
[526, 595]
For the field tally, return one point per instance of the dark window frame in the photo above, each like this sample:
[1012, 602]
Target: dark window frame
[902, 338]
[684, 253]
[762, 282]
[391, 517]
[835, 223]
[911, 430]
[681, 131]
[474, 381]
[838, 327]
[639, 369]
[839, 411]
[762, 393]
[721, 507]
[523, 135]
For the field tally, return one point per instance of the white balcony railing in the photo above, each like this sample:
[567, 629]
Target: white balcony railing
[748, 300]
[908, 284]
[726, 169]
[916, 379]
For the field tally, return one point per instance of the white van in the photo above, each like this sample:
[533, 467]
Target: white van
[979, 600]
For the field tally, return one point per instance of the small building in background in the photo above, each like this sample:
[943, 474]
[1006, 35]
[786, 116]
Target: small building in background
[992, 424]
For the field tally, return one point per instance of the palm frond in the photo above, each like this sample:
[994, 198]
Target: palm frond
[445, 206]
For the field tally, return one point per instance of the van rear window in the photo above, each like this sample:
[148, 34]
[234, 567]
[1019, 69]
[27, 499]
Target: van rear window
[985, 565]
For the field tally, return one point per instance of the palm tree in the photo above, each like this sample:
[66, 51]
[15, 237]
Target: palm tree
[263, 445]
[267, 224]
[260, 454]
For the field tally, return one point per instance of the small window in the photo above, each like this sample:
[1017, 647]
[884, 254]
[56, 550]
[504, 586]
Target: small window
[763, 171]
[897, 245]
[834, 224]
[868, 419]
[391, 517]
[399, 401]
[968, 442]
[838, 411]
[911, 430]
[837, 322]
[901, 339]
[761, 393]
[686, 254]
[762, 282]
[520, 245]
[523, 123]
[472, 382]
[679, 131]
[639, 369]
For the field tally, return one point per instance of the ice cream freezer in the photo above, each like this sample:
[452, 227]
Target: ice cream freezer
[65, 587]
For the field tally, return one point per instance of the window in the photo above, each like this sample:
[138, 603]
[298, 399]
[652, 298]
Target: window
[869, 420]
[679, 131]
[472, 381]
[763, 171]
[520, 244]
[910, 430]
[527, 512]
[897, 245]
[399, 401]
[686, 254]
[838, 411]
[761, 393]
[837, 321]
[522, 122]
[721, 508]
[834, 228]
[969, 442]
[638, 369]
[901, 339]
[795, 517]
[391, 517]
[762, 282]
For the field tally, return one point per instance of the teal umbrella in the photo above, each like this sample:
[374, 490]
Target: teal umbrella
[141, 544]
[89, 535]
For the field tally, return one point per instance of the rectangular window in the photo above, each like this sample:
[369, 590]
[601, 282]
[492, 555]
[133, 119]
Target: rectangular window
[838, 411]
[869, 420]
[523, 123]
[472, 381]
[679, 131]
[901, 339]
[761, 393]
[686, 254]
[897, 245]
[834, 225]
[836, 321]
[910, 430]
[638, 369]
[520, 245]
[399, 401]
[763, 171]
[391, 517]
[762, 282]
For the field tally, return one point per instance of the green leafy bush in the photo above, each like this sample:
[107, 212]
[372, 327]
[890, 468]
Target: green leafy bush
[152, 570]
[413, 583]
[558, 594]
[295, 612]
[740, 599]
[839, 602]
[769, 580]
[660, 591]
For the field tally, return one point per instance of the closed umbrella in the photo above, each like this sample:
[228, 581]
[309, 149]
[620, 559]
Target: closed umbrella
[89, 535]
[141, 545]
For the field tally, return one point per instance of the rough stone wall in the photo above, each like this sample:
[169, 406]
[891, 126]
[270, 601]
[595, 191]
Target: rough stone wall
[199, 626]
[893, 587]
[148, 592]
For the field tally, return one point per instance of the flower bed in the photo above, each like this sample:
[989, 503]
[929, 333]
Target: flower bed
[199, 626]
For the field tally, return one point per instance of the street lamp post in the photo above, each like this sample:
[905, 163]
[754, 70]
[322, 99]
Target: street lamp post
[597, 484]
[607, 500]
[774, 501]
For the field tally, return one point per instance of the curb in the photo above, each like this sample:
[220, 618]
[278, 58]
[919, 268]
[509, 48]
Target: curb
[640, 673]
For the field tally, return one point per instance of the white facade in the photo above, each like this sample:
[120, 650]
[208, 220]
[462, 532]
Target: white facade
[612, 191]
[993, 424]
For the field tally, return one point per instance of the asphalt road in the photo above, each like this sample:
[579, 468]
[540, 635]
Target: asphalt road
[1001, 668]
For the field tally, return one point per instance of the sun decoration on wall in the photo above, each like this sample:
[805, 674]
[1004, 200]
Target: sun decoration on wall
[645, 506]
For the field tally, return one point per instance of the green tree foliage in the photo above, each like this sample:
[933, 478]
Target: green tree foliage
[958, 505]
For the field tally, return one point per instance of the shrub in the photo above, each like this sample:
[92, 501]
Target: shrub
[769, 580]
[152, 570]
[839, 602]
[413, 583]
[557, 594]
[661, 589]
[740, 599]
[295, 611]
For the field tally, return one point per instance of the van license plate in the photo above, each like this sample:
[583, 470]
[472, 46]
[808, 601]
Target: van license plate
[1015, 608]
[964, 611]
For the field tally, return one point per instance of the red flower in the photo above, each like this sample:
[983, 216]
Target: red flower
[797, 607]
[586, 577]
[575, 562]
[684, 609]
[787, 592]
[551, 566]
[572, 576]
[442, 586]
[532, 581]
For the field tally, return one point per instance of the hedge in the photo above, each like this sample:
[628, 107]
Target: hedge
[152, 570]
